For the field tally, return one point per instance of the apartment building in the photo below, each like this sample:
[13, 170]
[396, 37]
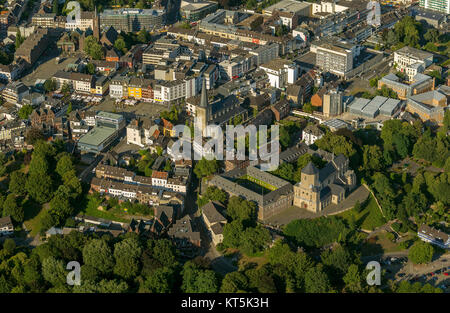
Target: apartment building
[281, 72]
[334, 59]
[265, 54]
[442, 6]
[14, 92]
[412, 61]
[132, 19]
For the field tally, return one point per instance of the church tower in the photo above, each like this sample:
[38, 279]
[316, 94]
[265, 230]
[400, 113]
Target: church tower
[96, 25]
[203, 113]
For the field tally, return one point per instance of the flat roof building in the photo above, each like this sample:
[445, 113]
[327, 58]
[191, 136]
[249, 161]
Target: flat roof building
[97, 139]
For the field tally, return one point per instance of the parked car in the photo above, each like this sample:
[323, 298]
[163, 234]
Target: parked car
[446, 274]
[401, 274]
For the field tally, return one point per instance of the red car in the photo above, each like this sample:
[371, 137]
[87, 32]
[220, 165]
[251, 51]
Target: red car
[446, 274]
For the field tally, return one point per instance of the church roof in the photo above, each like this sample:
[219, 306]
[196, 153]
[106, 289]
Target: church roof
[310, 169]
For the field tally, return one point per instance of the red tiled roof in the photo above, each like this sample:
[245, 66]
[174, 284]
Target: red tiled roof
[160, 175]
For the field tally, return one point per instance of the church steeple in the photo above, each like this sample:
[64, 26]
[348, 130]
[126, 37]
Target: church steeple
[204, 95]
[96, 24]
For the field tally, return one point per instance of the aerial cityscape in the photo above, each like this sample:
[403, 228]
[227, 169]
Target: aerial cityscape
[229, 146]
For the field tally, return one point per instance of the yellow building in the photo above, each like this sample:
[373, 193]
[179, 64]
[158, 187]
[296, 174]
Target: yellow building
[135, 92]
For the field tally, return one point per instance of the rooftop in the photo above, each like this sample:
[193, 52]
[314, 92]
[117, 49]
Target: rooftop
[97, 135]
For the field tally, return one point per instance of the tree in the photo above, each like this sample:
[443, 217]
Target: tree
[9, 246]
[69, 108]
[97, 254]
[198, 280]
[337, 260]
[316, 280]
[372, 158]
[64, 165]
[255, 239]
[421, 252]
[161, 281]
[60, 204]
[19, 39]
[206, 167]
[213, 193]
[120, 45]
[11, 208]
[55, 7]
[127, 254]
[242, 210]
[232, 233]
[25, 111]
[39, 187]
[234, 282]
[93, 48]
[50, 85]
[90, 68]
[432, 35]
[143, 36]
[66, 89]
[352, 279]
[53, 271]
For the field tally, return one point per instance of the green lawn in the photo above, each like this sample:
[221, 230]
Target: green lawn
[91, 209]
[368, 218]
[381, 244]
[33, 215]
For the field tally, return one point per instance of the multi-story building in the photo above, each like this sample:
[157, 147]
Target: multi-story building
[14, 92]
[9, 72]
[82, 83]
[12, 129]
[132, 20]
[436, 5]
[44, 20]
[161, 49]
[420, 83]
[194, 10]
[214, 221]
[111, 120]
[140, 130]
[311, 133]
[265, 54]
[333, 103]
[33, 47]
[434, 236]
[412, 61]
[335, 59]
[429, 106]
[281, 72]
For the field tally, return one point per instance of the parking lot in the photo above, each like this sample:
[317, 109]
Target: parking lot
[436, 273]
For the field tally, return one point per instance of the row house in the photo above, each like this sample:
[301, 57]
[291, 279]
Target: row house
[83, 83]
[140, 131]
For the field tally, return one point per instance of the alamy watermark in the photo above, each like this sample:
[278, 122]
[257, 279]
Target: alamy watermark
[74, 276]
[374, 276]
[374, 15]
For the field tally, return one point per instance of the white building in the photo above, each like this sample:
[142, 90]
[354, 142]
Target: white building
[280, 72]
[311, 133]
[6, 226]
[412, 61]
